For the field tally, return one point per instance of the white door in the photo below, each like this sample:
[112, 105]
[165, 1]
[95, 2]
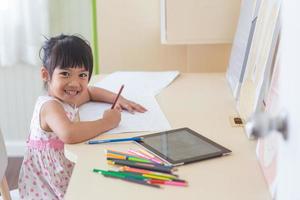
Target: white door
[288, 171]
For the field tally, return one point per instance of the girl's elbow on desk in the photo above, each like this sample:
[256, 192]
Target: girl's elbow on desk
[70, 136]
[73, 135]
[72, 139]
[67, 138]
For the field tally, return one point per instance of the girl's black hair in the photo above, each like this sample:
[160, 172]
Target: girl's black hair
[65, 51]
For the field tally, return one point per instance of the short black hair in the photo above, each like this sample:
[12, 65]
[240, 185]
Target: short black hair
[66, 51]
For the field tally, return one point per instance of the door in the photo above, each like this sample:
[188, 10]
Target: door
[288, 171]
[278, 147]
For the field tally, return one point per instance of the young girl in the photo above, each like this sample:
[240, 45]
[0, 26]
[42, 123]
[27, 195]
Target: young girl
[67, 68]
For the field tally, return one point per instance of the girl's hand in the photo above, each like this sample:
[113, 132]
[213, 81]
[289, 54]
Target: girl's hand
[113, 117]
[130, 106]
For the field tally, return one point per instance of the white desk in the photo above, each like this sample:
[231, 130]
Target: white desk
[202, 102]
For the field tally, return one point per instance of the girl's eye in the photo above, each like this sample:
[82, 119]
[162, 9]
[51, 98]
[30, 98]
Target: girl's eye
[65, 74]
[83, 75]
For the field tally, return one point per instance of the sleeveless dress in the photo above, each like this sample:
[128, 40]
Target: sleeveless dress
[45, 171]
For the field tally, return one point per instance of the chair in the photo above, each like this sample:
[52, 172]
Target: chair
[4, 190]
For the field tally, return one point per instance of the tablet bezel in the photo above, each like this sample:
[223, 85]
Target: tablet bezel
[223, 150]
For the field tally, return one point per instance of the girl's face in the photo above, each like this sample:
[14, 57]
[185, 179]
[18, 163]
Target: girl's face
[69, 84]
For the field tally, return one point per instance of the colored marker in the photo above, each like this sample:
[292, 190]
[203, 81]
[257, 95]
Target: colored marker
[175, 183]
[151, 155]
[129, 153]
[147, 166]
[124, 157]
[143, 171]
[155, 177]
[115, 140]
[118, 152]
[138, 176]
[125, 178]
[121, 174]
[144, 156]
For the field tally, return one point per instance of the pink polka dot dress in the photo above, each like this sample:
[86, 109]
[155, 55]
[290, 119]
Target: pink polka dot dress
[45, 171]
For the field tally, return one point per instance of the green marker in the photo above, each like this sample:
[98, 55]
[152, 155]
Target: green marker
[103, 172]
[122, 176]
[135, 159]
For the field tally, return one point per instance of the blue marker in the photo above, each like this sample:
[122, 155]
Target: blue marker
[115, 140]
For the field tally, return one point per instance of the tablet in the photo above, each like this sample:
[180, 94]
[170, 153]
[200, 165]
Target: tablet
[182, 146]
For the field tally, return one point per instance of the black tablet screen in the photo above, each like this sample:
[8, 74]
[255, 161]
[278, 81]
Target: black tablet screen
[182, 145]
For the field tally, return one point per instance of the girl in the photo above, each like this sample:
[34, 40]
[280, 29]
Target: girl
[67, 69]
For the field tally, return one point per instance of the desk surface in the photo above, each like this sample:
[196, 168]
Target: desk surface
[202, 102]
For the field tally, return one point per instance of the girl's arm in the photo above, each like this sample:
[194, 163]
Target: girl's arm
[102, 95]
[96, 94]
[53, 118]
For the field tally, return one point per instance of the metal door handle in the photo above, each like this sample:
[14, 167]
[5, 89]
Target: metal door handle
[262, 124]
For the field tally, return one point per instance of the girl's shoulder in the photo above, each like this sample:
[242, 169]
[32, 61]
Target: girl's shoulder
[45, 98]
[70, 111]
[36, 130]
[41, 100]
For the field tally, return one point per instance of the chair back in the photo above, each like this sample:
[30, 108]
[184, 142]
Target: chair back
[3, 157]
[4, 190]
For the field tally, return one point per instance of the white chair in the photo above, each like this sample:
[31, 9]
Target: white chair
[4, 190]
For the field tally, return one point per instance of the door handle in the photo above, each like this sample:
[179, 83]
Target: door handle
[262, 124]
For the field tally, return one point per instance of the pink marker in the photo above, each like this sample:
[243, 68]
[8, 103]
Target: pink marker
[139, 153]
[150, 155]
[175, 183]
[144, 156]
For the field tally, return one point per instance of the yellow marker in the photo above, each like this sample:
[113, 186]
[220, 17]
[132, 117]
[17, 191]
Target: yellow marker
[130, 158]
[142, 171]
[156, 177]
[147, 153]
[110, 155]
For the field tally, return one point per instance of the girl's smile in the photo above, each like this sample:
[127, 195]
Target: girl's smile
[68, 84]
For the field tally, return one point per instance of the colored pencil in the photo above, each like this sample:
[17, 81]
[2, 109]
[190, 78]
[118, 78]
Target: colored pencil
[147, 166]
[138, 154]
[154, 176]
[115, 140]
[143, 171]
[175, 183]
[116, 99]
[152, 156]
[118, 152]
[135, 175]
[130, 158]
[145, 156]
[125, 178]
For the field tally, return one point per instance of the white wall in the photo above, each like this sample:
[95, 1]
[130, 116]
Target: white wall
[19, 88]
[70, 17]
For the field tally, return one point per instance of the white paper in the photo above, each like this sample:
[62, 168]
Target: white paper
[152, 120]
[140, 87]
[138, 83]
